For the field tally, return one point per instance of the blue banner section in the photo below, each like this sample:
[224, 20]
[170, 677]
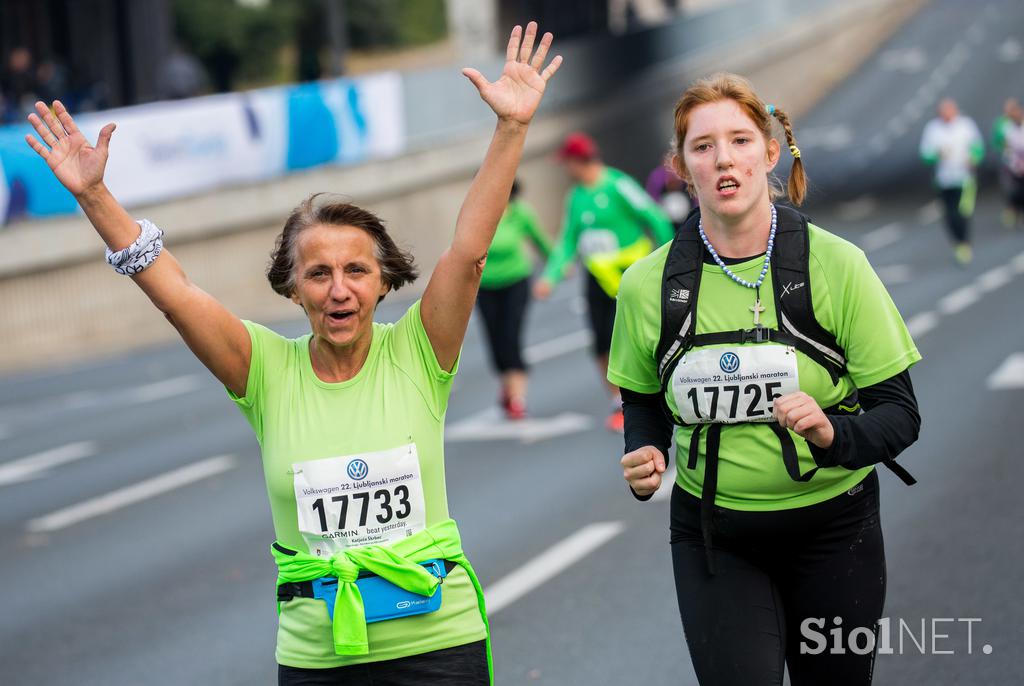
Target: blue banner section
[168, 150]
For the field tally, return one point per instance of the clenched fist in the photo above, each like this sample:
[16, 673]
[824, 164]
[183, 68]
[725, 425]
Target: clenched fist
[801, 413]
[642, 469]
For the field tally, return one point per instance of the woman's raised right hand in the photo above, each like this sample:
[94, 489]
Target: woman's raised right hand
[76, 164]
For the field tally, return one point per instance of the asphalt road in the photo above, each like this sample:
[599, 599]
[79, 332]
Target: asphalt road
[134, 520]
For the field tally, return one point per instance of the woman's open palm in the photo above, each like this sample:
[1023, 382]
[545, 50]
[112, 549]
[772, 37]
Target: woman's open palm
[516, 95]
[75, 163]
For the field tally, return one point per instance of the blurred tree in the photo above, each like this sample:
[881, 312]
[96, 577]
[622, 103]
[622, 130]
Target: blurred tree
[378, 24]
[235, 41]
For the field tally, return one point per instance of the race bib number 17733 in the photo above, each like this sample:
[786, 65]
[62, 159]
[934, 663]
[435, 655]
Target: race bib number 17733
[358, 500]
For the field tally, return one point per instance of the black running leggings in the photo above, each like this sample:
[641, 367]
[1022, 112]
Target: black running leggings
[600, 313]
[503, 310]
[775, 570]
[956, 222]
[464, 665]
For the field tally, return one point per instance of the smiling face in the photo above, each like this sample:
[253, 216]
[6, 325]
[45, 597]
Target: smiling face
[726, 159]
[338, 283]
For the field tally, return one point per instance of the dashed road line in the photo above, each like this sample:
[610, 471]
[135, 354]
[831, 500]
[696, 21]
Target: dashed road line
[549, 564]
[35, 466]
[571, 342]
[1009, 375]
[115, 500]
[882, 237]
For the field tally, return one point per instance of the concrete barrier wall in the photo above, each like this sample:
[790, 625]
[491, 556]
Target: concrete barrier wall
[53, 315]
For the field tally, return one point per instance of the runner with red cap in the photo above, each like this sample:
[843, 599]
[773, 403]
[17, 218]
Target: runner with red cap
[609, 222]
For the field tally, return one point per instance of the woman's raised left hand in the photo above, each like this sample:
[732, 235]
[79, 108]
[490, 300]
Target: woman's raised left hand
[515, 96]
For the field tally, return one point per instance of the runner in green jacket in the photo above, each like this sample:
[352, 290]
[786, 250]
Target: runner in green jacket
[609, 223]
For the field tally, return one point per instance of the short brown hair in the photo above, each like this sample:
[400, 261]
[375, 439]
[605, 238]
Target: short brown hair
[725, 86]
[396, 265]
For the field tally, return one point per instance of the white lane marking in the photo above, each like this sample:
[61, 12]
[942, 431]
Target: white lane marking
[129, 495]
[1010, 373]
[881, 237]
[959, 299]
[995, 278]
[907, 60]
[858, 209]
[1017, 264]
[922, 323]
[930, 213]
[489, 425]
[895, 274]
[1010, 50]
[549, 564]
[34, 466]
[167, 388]
[829, 138]
[556, 347]
[668, 482]
[578, 305]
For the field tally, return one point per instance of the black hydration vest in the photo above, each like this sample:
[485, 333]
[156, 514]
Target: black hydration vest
[797, 328]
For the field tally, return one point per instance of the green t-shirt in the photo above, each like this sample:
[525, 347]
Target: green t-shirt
[849, 300]
[507, 259]
[398, 398]
[604, 219]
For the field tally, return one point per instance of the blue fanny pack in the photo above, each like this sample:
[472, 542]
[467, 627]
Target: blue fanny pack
[382, 599]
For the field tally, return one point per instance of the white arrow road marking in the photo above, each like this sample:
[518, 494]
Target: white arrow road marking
[128, 495]
[490, 425]
[34, 466]
[549, 564]
[1010, 373]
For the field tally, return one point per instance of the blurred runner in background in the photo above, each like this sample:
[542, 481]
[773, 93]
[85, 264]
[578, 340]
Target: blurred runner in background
[671, 192]
[1008, 143]
[953, 144]
[504, 295]
[609, 222]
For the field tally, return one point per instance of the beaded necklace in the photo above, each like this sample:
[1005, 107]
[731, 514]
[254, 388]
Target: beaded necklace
[756, 285]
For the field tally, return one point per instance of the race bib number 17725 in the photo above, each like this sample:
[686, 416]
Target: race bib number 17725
[732, 385]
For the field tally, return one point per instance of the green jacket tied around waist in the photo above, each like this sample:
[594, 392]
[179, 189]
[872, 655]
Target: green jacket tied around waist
[397, 562]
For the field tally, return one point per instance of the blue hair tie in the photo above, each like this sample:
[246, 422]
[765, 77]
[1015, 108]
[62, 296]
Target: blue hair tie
[771, 110]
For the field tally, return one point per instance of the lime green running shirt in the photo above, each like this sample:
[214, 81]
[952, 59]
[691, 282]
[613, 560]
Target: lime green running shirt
[397, 399]
[849, 300]
[507, 259]
[603, 221]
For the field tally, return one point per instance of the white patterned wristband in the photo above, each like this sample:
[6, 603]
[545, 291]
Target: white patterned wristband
[140, 254]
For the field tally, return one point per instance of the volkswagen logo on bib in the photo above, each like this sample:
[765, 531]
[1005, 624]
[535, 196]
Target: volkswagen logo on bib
[729, 362]
[357, 470]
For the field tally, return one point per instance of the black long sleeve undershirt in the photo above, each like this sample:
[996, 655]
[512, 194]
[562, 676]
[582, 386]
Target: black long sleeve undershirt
[889, 424]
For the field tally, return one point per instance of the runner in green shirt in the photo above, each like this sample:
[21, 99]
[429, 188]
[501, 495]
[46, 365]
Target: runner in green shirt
[609, 223]
[504, 295]
[774, 512]
[349, 417]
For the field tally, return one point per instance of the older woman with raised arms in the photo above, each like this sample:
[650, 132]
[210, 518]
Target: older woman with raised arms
[350, 417]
